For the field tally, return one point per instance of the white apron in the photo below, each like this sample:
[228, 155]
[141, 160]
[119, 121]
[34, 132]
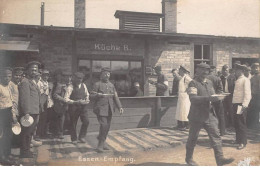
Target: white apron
[183, 104]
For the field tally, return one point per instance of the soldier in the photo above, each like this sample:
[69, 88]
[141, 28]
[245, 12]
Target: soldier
[241, 98]
[60, 103]
[79, 98]
[218, 87]
[227, 102]
[162, 88]
[202, 115]
[6, 117]
[254, 106]
[29, 97]
[105, 97]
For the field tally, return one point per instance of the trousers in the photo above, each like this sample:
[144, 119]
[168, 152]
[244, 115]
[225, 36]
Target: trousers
[5, 132]
[104, 122]
[76, 112]
[211, 126]
[240, 125]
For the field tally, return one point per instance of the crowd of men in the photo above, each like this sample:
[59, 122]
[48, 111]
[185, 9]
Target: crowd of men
[213, 101]
[48, 104]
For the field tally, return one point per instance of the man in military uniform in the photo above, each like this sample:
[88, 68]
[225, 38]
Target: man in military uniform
[219, 108]
[202, 115]
[105, 97]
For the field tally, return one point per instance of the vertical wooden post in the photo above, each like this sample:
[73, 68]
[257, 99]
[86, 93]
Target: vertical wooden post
[42, 13]
[158, 106]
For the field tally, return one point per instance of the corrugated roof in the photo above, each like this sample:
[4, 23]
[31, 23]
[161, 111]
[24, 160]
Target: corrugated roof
[99, 30]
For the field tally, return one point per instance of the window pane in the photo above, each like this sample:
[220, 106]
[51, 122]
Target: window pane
[206, 51]
[99, 64]
[197, 51]
[120, 77]
[84, 66]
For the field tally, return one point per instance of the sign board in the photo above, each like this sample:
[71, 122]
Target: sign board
[110, 47]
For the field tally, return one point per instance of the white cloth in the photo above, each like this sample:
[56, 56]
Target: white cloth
[183, 104]
[242, 91]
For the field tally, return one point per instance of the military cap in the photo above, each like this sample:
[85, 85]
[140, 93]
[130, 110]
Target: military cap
[241, 67]
[203, 65]
[45, 71]
[79, 75]
[237, 62]
[158, 67]
[66, 73]
[225, 66]
[255, 64]
[6, 70]
[38, 74]
[248, 68]
[212, 67]
[18, 70]
[184, 68]
[105, 69]
[33, 63]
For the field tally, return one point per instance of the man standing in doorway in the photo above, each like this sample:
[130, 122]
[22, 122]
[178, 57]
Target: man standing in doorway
[254, 106]
[202, 115]
[175, 82]
[105, 98]
[241, 99]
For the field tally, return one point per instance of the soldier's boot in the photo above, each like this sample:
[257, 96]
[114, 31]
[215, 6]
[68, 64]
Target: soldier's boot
[223, 161]
[188, 159]
[100, 148]
[105, 147]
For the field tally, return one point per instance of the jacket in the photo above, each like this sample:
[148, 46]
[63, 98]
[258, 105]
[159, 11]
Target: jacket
[29, 97]
[102, 105]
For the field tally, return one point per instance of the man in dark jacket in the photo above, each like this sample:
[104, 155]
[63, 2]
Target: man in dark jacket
[162, 86]
[202, 115]
[217, 85]
[105, 99]
[29, 97]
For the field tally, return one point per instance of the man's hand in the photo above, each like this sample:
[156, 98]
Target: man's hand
[121, 111]
[83, 102]
[14, 119]
[26, 117]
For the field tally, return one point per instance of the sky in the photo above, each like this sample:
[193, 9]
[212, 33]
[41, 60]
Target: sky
[213, 17]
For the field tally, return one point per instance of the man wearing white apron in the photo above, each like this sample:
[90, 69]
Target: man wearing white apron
[183, 104]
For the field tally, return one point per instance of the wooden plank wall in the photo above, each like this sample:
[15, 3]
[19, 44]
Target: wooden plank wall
[138, 113]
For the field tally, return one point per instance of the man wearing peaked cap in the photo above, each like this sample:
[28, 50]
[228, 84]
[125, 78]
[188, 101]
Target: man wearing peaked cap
[6, 116]
[105, 100]
[33, 63]
[202, 115]
[78, 98]
[29, 97]
[254, 106]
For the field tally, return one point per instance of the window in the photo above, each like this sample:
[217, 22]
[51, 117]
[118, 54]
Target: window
[202, 54]
[124, 74]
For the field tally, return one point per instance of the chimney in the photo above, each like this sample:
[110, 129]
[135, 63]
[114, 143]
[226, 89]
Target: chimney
[79, 13]
[169, 22]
